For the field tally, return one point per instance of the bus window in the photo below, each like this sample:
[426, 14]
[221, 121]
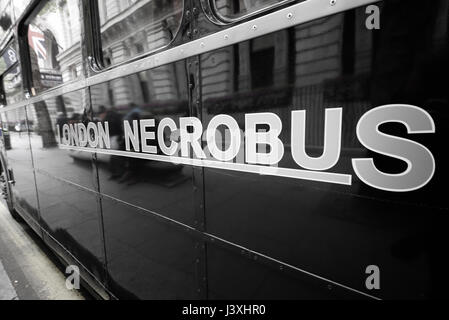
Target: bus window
[54, 44]
[130, 28]
[230, 10]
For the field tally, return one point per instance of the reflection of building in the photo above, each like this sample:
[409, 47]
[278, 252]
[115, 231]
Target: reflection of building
[307, 67]
[54, 37]
[238, 8]
[129, 29]
[326, 63]
[70, 58]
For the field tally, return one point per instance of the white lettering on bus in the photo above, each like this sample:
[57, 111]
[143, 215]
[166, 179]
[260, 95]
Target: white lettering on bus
[264, 149]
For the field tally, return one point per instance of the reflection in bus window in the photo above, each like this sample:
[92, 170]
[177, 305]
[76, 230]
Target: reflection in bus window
[19, 7]
[8, 58]
[54, 44]
[5, 17]
[234, 9]
[12, 85]
[134, 27]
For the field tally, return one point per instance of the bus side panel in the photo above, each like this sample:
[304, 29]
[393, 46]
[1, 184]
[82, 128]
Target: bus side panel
[20, 161]
[148, 258]
[148, 255]
[228, 269]
[69, 203]
[334, 231]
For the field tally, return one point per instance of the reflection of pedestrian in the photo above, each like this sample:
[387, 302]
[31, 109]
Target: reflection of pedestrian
[114, 120]
[133, 166]
[18, 128]
[61, 120]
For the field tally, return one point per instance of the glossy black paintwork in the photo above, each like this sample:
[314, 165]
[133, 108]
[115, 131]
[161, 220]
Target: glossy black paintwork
[333, 231]
[147, 258]
[20, 161]
[159, 187]
[69, 209]
[142, 227]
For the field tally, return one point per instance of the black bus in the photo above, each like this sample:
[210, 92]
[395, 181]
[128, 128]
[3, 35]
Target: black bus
[231, 149]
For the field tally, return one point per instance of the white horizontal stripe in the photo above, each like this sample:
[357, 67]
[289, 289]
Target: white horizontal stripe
[300, 174]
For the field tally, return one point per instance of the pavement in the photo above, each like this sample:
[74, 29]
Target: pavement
[28, 269]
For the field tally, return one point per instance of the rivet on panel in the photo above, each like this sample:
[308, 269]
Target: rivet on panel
[333, 2]
[289, 15]
[254, 28]
[226, 37]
